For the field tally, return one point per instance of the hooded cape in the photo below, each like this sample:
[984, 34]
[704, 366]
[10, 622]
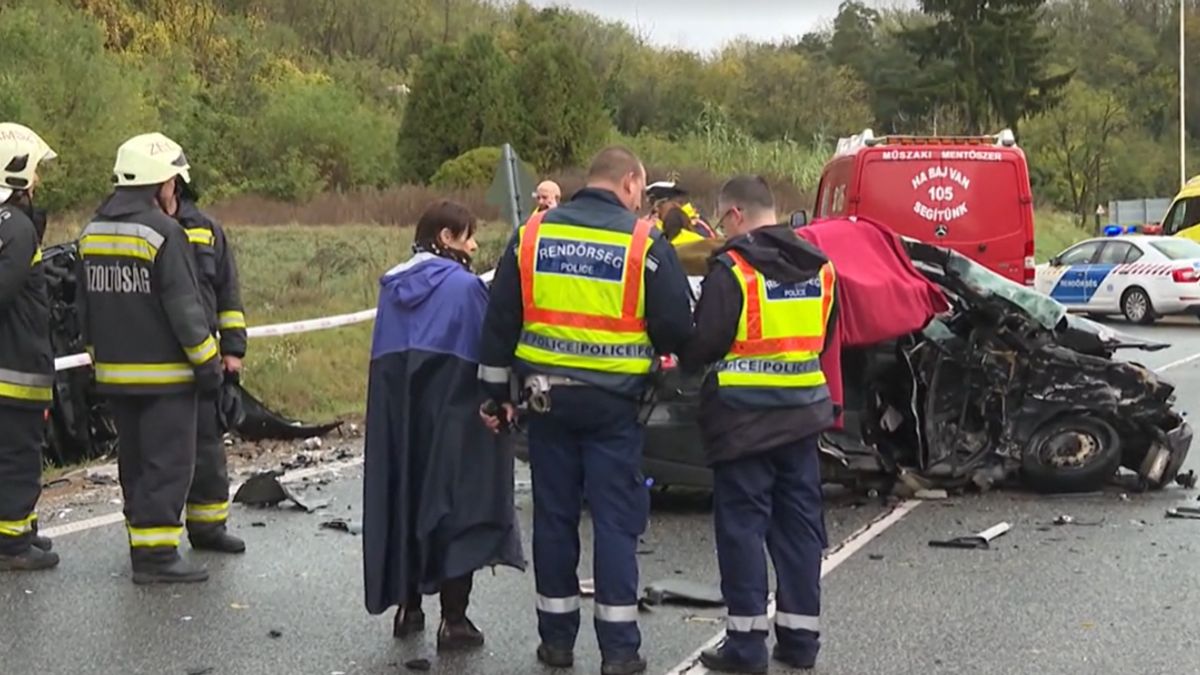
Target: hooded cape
[437, 487]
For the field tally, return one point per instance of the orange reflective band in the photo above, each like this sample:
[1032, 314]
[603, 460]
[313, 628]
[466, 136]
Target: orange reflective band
[827, 295]
[761, 347]
[628, 322]
[754, 344]
[753, 301]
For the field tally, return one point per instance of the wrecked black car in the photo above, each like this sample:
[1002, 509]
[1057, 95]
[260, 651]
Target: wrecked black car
[80, 427]
[1005, 388]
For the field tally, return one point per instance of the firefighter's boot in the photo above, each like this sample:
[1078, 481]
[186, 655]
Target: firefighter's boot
[31, 560]
[218, 540]
[170, 571]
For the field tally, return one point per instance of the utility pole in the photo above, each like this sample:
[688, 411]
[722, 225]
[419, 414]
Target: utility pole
[1182, 93]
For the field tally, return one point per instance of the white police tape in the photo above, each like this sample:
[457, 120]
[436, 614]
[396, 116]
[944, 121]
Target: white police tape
[273, 330]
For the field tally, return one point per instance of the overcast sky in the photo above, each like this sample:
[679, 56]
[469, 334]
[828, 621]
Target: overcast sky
[705, 25]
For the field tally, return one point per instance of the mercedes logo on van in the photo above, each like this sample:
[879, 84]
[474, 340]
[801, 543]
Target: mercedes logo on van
[941, 231]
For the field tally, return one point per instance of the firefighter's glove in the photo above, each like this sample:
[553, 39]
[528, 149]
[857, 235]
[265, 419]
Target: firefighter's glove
[209, 377]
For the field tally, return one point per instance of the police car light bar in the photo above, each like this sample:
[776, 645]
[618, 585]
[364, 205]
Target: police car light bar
[867, 139]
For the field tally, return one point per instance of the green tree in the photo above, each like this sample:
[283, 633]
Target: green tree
[996, 55]
[564, 120]
[780, 93]
[57, 78]
[1072, 147]
[462, 98]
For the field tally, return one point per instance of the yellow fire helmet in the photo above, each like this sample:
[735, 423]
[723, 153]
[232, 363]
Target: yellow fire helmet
[150, 159]
[21, 151]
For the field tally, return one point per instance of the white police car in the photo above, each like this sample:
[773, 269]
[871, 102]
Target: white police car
[1141, 277]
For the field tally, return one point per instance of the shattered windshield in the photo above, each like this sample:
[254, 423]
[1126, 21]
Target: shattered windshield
[1043, 309]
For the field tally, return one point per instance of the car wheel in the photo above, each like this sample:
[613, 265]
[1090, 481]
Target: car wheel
[1136, 307]
[1078, 453]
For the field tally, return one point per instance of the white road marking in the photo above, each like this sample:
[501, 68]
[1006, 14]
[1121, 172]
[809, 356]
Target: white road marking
[838, 555]
[1176, 364]
[119, 517]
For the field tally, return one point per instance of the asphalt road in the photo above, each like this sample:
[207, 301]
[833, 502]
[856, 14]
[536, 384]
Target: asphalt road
[1114, 592]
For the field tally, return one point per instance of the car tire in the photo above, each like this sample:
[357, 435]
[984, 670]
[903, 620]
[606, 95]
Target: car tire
[1077, 453]
[1136, 306]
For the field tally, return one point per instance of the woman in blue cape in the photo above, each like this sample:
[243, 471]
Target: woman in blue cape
[438, 488]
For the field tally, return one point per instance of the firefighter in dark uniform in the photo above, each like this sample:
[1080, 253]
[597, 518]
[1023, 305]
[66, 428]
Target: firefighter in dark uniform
[763, 319]
[26, 359]
[151, 347]
[207, 512]
[583, 302]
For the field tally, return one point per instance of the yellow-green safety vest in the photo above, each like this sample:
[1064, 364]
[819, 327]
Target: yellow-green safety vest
[775, 360]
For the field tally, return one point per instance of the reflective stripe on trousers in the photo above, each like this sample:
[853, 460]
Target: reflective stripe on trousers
[746, 624]
[558, 605]
[616, 613]
[208, 513]
[798, 622]
[152, 537]
[17, 528]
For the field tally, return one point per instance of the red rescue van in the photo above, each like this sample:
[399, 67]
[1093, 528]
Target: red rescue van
[970, 194]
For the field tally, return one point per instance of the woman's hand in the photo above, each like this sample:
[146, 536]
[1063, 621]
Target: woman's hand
[497, 416]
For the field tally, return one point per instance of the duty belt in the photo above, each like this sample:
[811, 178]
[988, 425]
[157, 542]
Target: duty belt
[537, 390]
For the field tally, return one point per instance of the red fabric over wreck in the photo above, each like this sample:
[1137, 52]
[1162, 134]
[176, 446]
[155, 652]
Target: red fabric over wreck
[881, 295]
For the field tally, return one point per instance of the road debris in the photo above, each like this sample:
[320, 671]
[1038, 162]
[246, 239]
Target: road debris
[1066, 519]
[263, 489]
[931, 494]
[342, 525]
[274, 634]
[683, 592]
[692, 618]
[418, 664]
[979, 540]
[875, 556]
[201, 671]
[1185, 512]
[1187, 480]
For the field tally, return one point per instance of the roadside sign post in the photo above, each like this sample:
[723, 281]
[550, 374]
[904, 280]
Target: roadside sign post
[512, 188]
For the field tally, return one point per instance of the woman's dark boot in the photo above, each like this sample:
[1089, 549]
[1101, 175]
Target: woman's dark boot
[457, 631]
[410, 620]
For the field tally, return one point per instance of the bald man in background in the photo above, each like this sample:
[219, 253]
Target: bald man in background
[547, 195]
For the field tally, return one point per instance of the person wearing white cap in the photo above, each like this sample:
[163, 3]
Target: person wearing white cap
[26, 358]
[152, 347]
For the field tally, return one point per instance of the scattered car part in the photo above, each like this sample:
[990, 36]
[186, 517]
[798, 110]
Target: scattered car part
[263, 489]
[343, 525]
[684, 592]
[1189, 512]
[982, 539]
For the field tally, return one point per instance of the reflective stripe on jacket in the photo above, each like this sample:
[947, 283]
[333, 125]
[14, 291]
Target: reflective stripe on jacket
[26, 357]
[583, 299]
[775, 359]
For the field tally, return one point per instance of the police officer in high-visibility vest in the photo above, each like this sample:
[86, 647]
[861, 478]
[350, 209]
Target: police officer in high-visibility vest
[151, 347]
[765, 312]
[26, 358]
[207, 512]
[582, 303]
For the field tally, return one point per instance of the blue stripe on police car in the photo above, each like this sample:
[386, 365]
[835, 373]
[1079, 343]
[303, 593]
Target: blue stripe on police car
[1079, 283]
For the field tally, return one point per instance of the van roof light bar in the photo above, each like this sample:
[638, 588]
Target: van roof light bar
[853, 144]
